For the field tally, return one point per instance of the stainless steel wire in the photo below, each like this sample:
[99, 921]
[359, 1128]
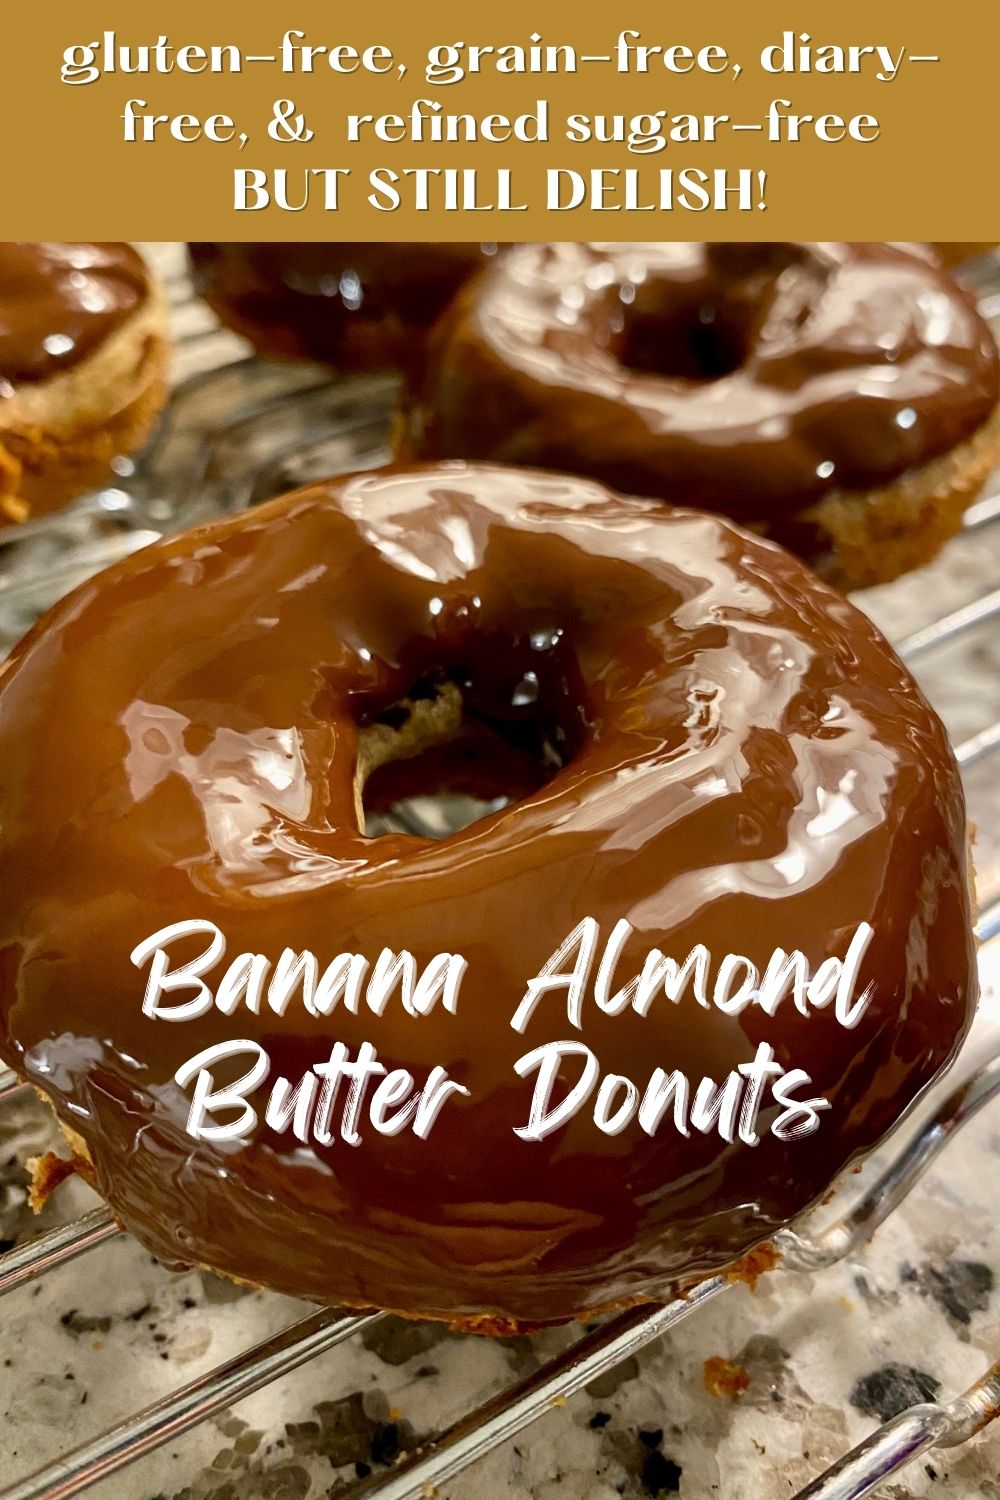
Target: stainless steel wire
[56, 1248]
[898, 1442]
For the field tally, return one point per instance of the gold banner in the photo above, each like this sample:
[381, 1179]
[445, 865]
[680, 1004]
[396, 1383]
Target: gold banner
[527, 121]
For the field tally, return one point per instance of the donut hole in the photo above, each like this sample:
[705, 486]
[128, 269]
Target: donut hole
[454, 749]
[670, 333]
[703, 345]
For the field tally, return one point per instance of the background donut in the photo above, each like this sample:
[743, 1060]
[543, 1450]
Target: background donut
[839, 398]
[83, 353]
[355, 306]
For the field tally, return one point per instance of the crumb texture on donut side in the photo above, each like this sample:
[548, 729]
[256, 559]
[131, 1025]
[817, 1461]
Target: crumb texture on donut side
[60, 434]
[878, 536]
[43, 468]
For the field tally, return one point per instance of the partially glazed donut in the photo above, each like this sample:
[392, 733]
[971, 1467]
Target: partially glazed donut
[83, 349]
[727, 754]
[839, 398]
[355, 306]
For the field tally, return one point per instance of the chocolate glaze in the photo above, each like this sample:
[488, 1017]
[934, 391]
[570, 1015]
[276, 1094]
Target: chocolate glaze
[59, 301]
[358, 306]
[745, 763]
[752, 379]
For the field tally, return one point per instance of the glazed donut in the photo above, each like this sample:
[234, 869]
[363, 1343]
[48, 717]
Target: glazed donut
[83, 348]
[727, 754]
[358, 307]
[841, 399]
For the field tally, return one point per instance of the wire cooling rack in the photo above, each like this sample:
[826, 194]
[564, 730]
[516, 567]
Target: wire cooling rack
[237, 431]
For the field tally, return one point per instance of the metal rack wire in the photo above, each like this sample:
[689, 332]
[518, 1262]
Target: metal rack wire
[237, 431]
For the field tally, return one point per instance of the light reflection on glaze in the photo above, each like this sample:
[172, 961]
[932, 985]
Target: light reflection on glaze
[58, 301]
[751, 768]
[823, 347]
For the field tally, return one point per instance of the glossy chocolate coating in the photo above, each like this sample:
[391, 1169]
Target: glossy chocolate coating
[751, 379]
[59, 301]
[747, 765]
[357, 306]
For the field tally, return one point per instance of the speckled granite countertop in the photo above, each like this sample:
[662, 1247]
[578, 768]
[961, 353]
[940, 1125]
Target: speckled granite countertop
[827, 1357]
